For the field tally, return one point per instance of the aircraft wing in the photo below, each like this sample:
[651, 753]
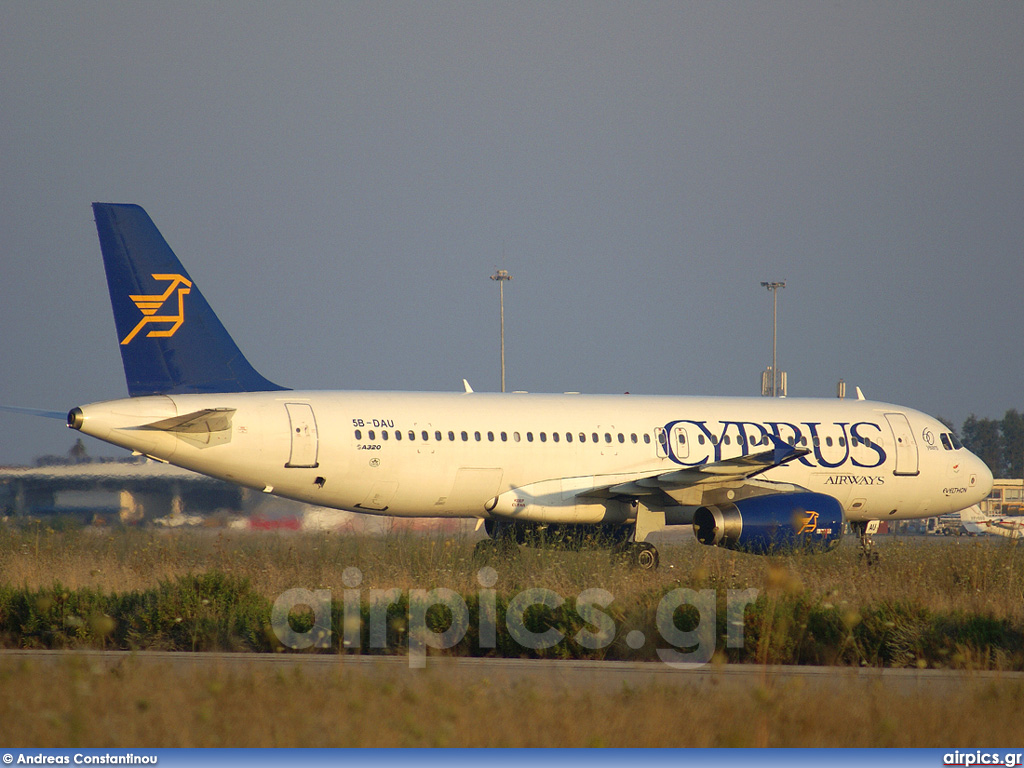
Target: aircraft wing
[725, 472]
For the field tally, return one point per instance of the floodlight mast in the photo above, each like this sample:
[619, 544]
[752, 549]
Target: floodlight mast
[774, 288]
[502, 276]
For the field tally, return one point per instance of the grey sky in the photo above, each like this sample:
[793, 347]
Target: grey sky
[341, 179]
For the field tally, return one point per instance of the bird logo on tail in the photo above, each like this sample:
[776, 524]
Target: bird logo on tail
[150, 305]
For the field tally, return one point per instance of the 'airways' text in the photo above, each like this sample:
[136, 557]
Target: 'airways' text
[854, 480]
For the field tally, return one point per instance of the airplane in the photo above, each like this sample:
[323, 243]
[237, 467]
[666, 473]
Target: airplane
[976, 521]
[756, 475]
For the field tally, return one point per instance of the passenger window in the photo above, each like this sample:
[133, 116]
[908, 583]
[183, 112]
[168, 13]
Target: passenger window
[515, 436]
[568, 437]
[437, 435]
[633, 438]
[622, 438]
[412, 435]
[398, 434]
[425, 435]
[359, 434]
[817, 442]
[477, 436]
[583, 437]
[465, 436]
[383, 434]
[451, 435]
[554, 436]
[647, 438]
[727, 440]
[828, 441]
[607, 437]
[700, 439]
[593, 437]
[371, 435]
[504, 437]
[529, 437]
[543, 437]
[842, 442]
[490, 437]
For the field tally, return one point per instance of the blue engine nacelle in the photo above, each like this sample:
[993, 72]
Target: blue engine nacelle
[772, 523]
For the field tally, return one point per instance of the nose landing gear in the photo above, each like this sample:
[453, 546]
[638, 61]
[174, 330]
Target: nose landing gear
[866, 529]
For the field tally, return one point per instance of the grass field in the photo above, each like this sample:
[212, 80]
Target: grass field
[956, 604]
[977, 576]
[79, 704]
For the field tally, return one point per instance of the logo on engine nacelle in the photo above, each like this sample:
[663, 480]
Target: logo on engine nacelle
[809, 523]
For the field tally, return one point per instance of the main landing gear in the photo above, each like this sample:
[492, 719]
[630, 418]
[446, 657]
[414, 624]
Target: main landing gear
[866, 529]
[506, 538]
[638, 554]
[502, 549]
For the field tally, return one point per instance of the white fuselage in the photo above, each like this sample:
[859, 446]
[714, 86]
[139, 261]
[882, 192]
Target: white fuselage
[536, 457]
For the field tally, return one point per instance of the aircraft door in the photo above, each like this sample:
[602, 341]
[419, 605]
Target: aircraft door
[906, 446]
[680, 442]
[304, 442]
[661, 442]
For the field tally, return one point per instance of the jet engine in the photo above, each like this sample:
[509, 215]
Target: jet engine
[773, 523]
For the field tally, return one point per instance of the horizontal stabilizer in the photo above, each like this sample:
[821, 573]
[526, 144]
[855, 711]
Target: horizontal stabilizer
[197, 422]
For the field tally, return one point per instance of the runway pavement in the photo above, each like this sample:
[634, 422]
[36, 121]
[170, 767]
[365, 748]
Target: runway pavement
[597, 675]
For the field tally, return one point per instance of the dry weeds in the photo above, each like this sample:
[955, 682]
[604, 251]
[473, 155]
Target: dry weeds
[977, 576]
[78, 703]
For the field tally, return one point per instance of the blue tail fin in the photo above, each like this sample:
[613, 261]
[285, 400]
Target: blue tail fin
[171, 341]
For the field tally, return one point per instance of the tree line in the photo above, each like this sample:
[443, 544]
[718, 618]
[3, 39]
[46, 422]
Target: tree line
[997, 442]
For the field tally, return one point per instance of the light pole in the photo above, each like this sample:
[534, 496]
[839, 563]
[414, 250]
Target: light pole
[501, 276]
[774, 288]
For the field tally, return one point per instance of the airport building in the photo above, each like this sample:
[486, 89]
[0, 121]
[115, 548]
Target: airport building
[1007, 498]
[114, 491]
[141, 491]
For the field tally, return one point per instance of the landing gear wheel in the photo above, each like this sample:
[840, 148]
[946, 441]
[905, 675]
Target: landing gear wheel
[640, 555]
[644, 556]
[487, 551]
[870, 557]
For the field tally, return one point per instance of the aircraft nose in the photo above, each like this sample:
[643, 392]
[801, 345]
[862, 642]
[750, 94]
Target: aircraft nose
[983, 476]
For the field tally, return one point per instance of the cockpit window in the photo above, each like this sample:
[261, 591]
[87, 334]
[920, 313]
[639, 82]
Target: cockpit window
[945, 442]
[957, 445]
